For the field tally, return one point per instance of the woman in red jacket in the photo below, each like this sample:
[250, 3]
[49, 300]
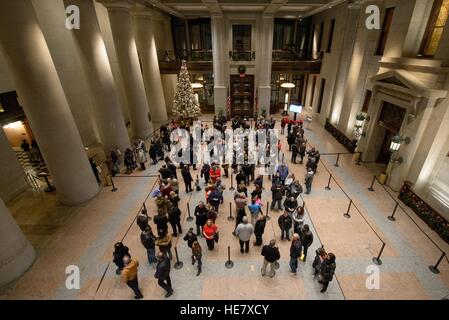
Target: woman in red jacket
[210, 233]
[215, 173]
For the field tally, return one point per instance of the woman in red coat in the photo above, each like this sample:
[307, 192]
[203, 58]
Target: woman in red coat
[215, 173]
[209, 232]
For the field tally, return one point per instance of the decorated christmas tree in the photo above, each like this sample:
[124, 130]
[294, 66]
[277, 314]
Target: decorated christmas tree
[185, 106]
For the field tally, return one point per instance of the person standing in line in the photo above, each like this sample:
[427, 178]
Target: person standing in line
[271, 255]
[210, 233]
[308, 181]
[283, 173]
[116, 163]
[174, 217]
[302, 151]
[190, 237]
[320, 255]
[244, 231]
[141, 158]
[196, 256]
[148, 240]
[285, 223]
[120, 251]
[161, 222]
[187, 177]
[129, 275]
[327, 271]
[298, 219]
[205, 172]
[163, 274]
[259, 229]
[295, 253]
[254, 210]
[295, 152]
[277, 191]
[200, 217]
[306, 237]
[164, 244]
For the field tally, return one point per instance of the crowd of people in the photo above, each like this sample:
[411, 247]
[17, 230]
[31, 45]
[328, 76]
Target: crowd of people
[250, 220]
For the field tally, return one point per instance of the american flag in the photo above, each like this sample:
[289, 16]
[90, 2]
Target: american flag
[228, 105]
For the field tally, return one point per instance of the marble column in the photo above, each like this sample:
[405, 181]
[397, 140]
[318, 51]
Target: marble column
[44, 102]
[128, 61]
[16, 253]
[146, 47]
[219, 62]
[264, 63]
[92, 51]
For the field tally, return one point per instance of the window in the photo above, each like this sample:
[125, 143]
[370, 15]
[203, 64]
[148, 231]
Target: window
[200, 34]
[367, 101]
[283, 34]
[313, 91]
[435, 26]
[320, 99]
[320, 39]
[331, 36]
[241, 38]
[385, 30]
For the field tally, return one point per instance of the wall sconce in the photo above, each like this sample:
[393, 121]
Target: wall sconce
[359, 119]
[395, 145]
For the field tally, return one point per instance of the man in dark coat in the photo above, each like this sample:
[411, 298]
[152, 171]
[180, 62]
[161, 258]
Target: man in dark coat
[165, 172]
[120, 250]
[200, 217]
[285, 223]
[240, 177]
[174, 217]
[161, 221]
[295, 253]
[163, 274]
[172, 169]
[327, 271]
[306, 239]
[142, 220]
[205, 169]
[190, 237]
[271, 255]
[277, 191]
[259, 229]
[187, 178]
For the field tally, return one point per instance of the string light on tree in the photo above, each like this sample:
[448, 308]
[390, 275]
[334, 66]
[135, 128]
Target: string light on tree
[185, 106]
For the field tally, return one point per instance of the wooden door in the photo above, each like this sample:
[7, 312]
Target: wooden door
[242, 95]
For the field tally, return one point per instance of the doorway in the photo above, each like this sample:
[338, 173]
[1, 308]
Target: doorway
[390, 122]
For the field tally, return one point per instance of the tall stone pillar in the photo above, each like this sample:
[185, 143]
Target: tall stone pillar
[219, 62]
[16, 253]
[264, 62]
[146, 47]
[44, 102]
[108, 113]
[128, 61]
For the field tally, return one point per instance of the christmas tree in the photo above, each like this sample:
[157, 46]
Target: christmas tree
[185, 106]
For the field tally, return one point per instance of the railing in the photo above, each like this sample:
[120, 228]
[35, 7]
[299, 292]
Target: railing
[293, 55]
[242, 55]
[188, 55]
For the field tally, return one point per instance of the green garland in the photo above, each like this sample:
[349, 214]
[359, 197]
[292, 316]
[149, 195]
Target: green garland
[432, 218]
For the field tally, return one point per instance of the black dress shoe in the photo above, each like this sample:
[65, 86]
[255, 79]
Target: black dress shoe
[168, 294]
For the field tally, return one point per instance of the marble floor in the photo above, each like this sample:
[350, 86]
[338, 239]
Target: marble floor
[84, 236]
